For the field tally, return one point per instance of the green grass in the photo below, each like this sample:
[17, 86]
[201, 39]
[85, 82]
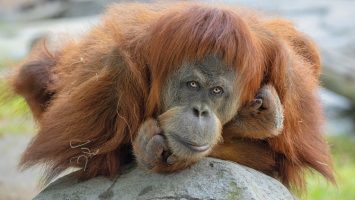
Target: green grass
[15, 117]
[343, 153]
[5, 63]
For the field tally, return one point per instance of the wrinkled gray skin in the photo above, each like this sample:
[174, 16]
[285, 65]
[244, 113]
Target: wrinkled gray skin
[197, 101]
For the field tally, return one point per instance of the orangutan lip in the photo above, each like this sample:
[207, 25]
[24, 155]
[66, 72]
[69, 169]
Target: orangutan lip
[191, 145]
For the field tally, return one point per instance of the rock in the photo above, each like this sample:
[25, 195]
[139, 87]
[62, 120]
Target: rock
[209, 179]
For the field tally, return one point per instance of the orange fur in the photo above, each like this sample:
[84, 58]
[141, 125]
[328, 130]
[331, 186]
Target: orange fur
[106, 84]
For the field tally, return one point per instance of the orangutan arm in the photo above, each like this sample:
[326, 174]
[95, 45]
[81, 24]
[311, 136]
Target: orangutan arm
[255, 154]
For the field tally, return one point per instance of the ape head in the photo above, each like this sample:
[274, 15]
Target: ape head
[204, 63]
[197, 100]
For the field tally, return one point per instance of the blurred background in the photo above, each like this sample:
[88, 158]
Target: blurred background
[330, 23]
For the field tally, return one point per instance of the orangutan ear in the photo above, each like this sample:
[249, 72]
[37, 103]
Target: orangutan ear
[32, 78]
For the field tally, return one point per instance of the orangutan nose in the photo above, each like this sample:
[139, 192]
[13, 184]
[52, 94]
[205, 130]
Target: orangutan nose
[200, 111]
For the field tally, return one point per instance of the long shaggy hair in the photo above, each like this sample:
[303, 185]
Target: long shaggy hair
[97, 91]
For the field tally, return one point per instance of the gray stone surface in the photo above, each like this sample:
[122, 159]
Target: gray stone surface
[209, 179]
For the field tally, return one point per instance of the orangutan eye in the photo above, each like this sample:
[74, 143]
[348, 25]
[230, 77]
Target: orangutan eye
[193, 84]
[217, 90]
